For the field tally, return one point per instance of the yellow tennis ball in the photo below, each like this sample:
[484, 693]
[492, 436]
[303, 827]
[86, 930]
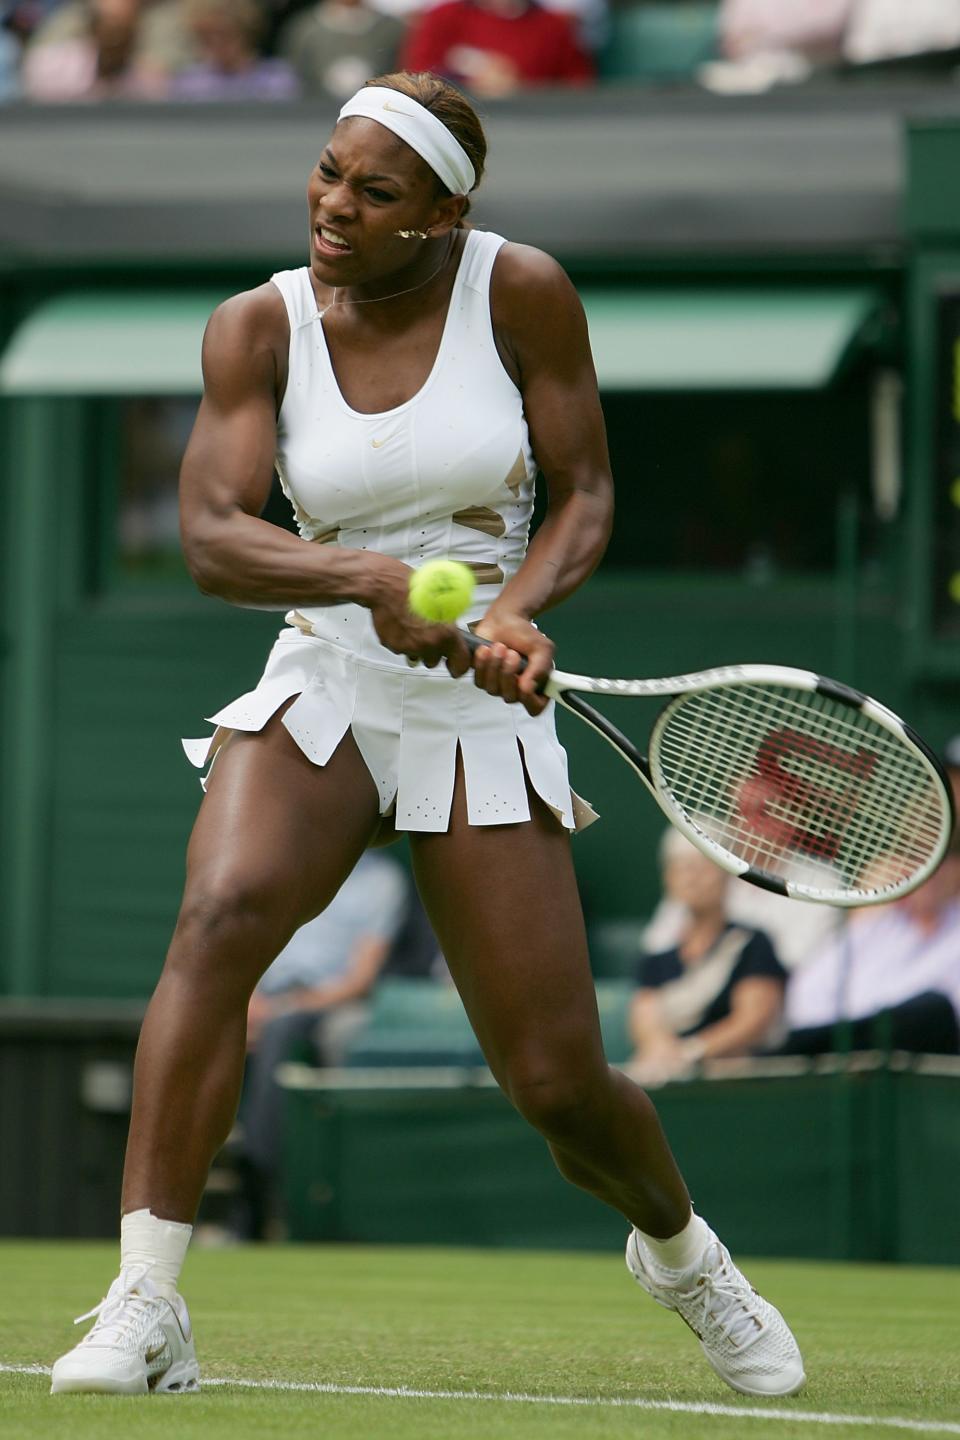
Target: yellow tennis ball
[441, 590]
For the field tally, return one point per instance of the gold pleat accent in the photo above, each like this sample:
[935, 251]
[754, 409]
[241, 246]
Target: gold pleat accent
[485, 573]
[517, 474]
[326, 537]
[482, 518]
[301, 622]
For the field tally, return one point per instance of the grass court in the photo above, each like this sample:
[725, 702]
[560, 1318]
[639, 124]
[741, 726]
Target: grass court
[569, 1336]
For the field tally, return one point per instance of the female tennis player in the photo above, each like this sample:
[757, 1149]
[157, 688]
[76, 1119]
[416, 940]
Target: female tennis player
[407, 384]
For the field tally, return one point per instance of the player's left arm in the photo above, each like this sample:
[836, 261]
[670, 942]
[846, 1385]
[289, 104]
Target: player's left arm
[542, 336]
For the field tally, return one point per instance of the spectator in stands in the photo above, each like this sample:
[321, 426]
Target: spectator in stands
[337, 45]
[313, 996]
[764, 42]
[951, 762]
[796, 929]
[496, 47]
[717, 992]
[894, 972]
[63, 52]
[890, 29]
[230, 67]
[9, 67]
[98, 63]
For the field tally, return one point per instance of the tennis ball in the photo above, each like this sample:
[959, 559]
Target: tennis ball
[441, 590]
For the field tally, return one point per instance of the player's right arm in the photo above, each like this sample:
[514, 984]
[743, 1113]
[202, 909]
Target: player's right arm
[225, 480]
[228, 470]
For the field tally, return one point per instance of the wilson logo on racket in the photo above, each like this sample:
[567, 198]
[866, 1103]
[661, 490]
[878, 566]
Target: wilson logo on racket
[766, 768]
[768, 799]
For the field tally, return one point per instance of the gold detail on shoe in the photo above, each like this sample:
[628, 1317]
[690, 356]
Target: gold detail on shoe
[326, 537]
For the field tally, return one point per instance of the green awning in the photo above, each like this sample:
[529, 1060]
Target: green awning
[148, 342]
[725, 339]
[110, 343]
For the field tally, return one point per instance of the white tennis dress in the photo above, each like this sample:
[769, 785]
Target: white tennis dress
[450, 474]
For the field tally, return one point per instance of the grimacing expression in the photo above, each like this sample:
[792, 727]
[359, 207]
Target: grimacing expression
[367, 185]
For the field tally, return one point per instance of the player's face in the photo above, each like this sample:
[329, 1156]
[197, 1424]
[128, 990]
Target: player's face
[366, 186]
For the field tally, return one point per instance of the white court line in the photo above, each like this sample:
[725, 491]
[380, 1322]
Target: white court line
[683, 1407]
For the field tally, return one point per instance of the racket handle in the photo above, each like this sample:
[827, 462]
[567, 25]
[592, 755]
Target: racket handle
[549, 685]
[474, 643]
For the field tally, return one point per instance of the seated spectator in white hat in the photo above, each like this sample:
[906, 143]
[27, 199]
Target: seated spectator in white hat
[717, 992]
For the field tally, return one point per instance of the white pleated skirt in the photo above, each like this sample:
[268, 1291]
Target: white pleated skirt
[408, 724]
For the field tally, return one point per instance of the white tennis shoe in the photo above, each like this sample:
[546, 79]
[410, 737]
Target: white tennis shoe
[141, 1343]
[744, 1338]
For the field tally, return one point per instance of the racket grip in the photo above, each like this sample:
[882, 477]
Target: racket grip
[474, 643]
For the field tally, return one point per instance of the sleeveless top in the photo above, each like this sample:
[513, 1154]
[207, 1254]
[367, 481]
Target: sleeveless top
[449, 474]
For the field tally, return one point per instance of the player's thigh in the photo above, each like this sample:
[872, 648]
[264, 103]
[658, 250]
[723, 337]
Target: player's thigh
[277, 835]
[504, 903]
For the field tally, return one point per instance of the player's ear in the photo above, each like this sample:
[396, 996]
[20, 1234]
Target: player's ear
[446, 213]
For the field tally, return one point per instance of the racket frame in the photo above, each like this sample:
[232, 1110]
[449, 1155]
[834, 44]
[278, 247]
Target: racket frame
[568, 689]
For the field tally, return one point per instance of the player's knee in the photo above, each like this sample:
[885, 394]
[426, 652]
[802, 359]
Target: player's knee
[558, 1104]
[229, 920]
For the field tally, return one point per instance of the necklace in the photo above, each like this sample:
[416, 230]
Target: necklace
[409, 291]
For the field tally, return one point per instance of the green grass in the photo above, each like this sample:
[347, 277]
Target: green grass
[877, 1342]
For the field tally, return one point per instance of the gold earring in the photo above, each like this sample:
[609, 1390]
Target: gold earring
[413, 234]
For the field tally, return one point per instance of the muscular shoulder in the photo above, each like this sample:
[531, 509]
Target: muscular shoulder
[525, 276]
[537, 314]
[251, 321]
[246, 340]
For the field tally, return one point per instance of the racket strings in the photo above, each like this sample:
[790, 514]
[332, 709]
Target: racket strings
[873, 802]
[787, 778]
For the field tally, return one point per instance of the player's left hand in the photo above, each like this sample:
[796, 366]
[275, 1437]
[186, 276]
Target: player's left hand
[496, 666]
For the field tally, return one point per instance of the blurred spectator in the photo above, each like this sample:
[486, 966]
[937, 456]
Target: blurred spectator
[9, 67]
[337, 45]
[313, 995]
[230, 67]
[590, 17]
[951, 761]
[766, 42]
[161, 44]
[811, 28]
[97, 64]
[795, 928]
[894, 971]
[888, 29]
[717, 992]
[496, 47]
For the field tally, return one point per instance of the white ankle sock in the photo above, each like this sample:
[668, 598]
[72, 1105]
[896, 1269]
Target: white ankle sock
[681, 1251]
[145, 1239]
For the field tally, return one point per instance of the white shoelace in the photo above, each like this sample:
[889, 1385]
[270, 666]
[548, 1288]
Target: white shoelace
[723, 1302]
[121, 1312]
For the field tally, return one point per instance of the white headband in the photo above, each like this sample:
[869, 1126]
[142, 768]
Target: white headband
[423, 132]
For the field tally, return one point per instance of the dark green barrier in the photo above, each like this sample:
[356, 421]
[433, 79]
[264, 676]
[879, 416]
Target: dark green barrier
[857, 1163]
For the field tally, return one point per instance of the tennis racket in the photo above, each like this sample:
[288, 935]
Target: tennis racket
[791, 781]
